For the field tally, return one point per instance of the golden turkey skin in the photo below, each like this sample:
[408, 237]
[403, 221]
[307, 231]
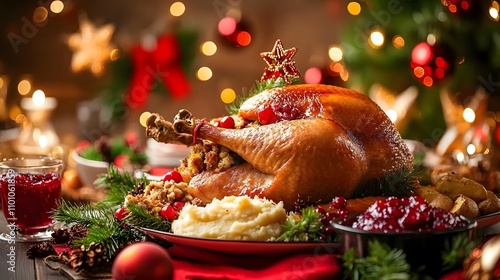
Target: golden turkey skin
[337, 142]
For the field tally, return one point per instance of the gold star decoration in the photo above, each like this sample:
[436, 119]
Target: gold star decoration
[396, 106]
[465, 125]
[279, 63]
[91, 47]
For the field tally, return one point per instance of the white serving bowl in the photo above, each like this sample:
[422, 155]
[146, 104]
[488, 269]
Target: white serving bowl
[89, 170]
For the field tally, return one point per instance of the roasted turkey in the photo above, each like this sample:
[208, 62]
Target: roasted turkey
[332, 142]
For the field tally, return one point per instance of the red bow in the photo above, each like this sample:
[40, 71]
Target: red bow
[162, 63]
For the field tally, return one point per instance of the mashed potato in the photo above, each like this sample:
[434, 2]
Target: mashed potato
[233, 217]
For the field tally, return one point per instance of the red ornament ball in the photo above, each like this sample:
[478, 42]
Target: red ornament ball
[431, 63]
[143, 261]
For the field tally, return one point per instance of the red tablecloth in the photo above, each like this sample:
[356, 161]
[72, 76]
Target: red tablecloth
[199, 264]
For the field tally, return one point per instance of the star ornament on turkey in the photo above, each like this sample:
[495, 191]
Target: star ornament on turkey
[279, 63]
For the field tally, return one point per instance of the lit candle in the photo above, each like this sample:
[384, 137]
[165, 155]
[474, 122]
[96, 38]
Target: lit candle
[38, 102]
[37, 135]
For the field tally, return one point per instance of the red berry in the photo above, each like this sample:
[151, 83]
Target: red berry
[172, 175]
[178, 205]
[267, 115]
[121, 213]
[339, 202]
[320, 211]
[168, 213]
[226, 122]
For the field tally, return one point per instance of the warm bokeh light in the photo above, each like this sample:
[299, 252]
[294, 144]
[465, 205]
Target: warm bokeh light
[392, 114]
[344, 75]
[208, 48]
[313, 75]
[428, 81]
[143, 118]
[354, 8]
[114, 55]
[57, 151]
[243, 38]
[15, 114]
[376, 39]
[24, 87]
[228, 95]
[398, 42]
[337, 67]
[40, 14]
[177, 9]
[471, 149]
[38, 97]
[335, 53]
[1, 82]
[204, 73]
[56, 6]
[419, 72]
[494, 10]
[42, 141]
[460, 157]
[227, 26]
[431, 39]
[494, 14]
[469, 115]
[422, 54]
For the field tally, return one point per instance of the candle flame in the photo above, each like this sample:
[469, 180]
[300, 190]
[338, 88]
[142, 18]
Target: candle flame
[38, 98]
[42, 141]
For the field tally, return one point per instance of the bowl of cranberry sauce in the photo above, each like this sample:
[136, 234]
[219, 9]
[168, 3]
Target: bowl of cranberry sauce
[410, 224]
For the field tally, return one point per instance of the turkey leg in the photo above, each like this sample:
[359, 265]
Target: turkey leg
[295, 153]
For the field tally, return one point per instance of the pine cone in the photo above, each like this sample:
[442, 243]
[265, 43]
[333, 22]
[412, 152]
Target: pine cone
[68, 235]
[40, 250]
[89, 258]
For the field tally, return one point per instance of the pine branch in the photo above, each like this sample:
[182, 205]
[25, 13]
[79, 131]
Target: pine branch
[380, 263]
[118, 184]
[456, 251]
[400, 183]
[306, 229]
[140, 217]
[83, 214]
[386, 263]
[114, 236]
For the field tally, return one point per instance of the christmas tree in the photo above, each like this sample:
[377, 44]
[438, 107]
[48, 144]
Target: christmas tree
[448, 45]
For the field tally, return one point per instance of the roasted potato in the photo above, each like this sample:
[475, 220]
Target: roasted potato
[435, 198]
[465, 206]
[489, 205]
[453, 185]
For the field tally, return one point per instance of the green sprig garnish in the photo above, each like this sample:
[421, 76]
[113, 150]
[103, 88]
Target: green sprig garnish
[118, 184]
[306, 228]
[140, 217]
[257, 88]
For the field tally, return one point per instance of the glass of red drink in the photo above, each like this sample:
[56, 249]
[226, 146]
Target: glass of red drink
[30, 190]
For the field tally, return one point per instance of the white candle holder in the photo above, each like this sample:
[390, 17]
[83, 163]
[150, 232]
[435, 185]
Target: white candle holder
[37, 136]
